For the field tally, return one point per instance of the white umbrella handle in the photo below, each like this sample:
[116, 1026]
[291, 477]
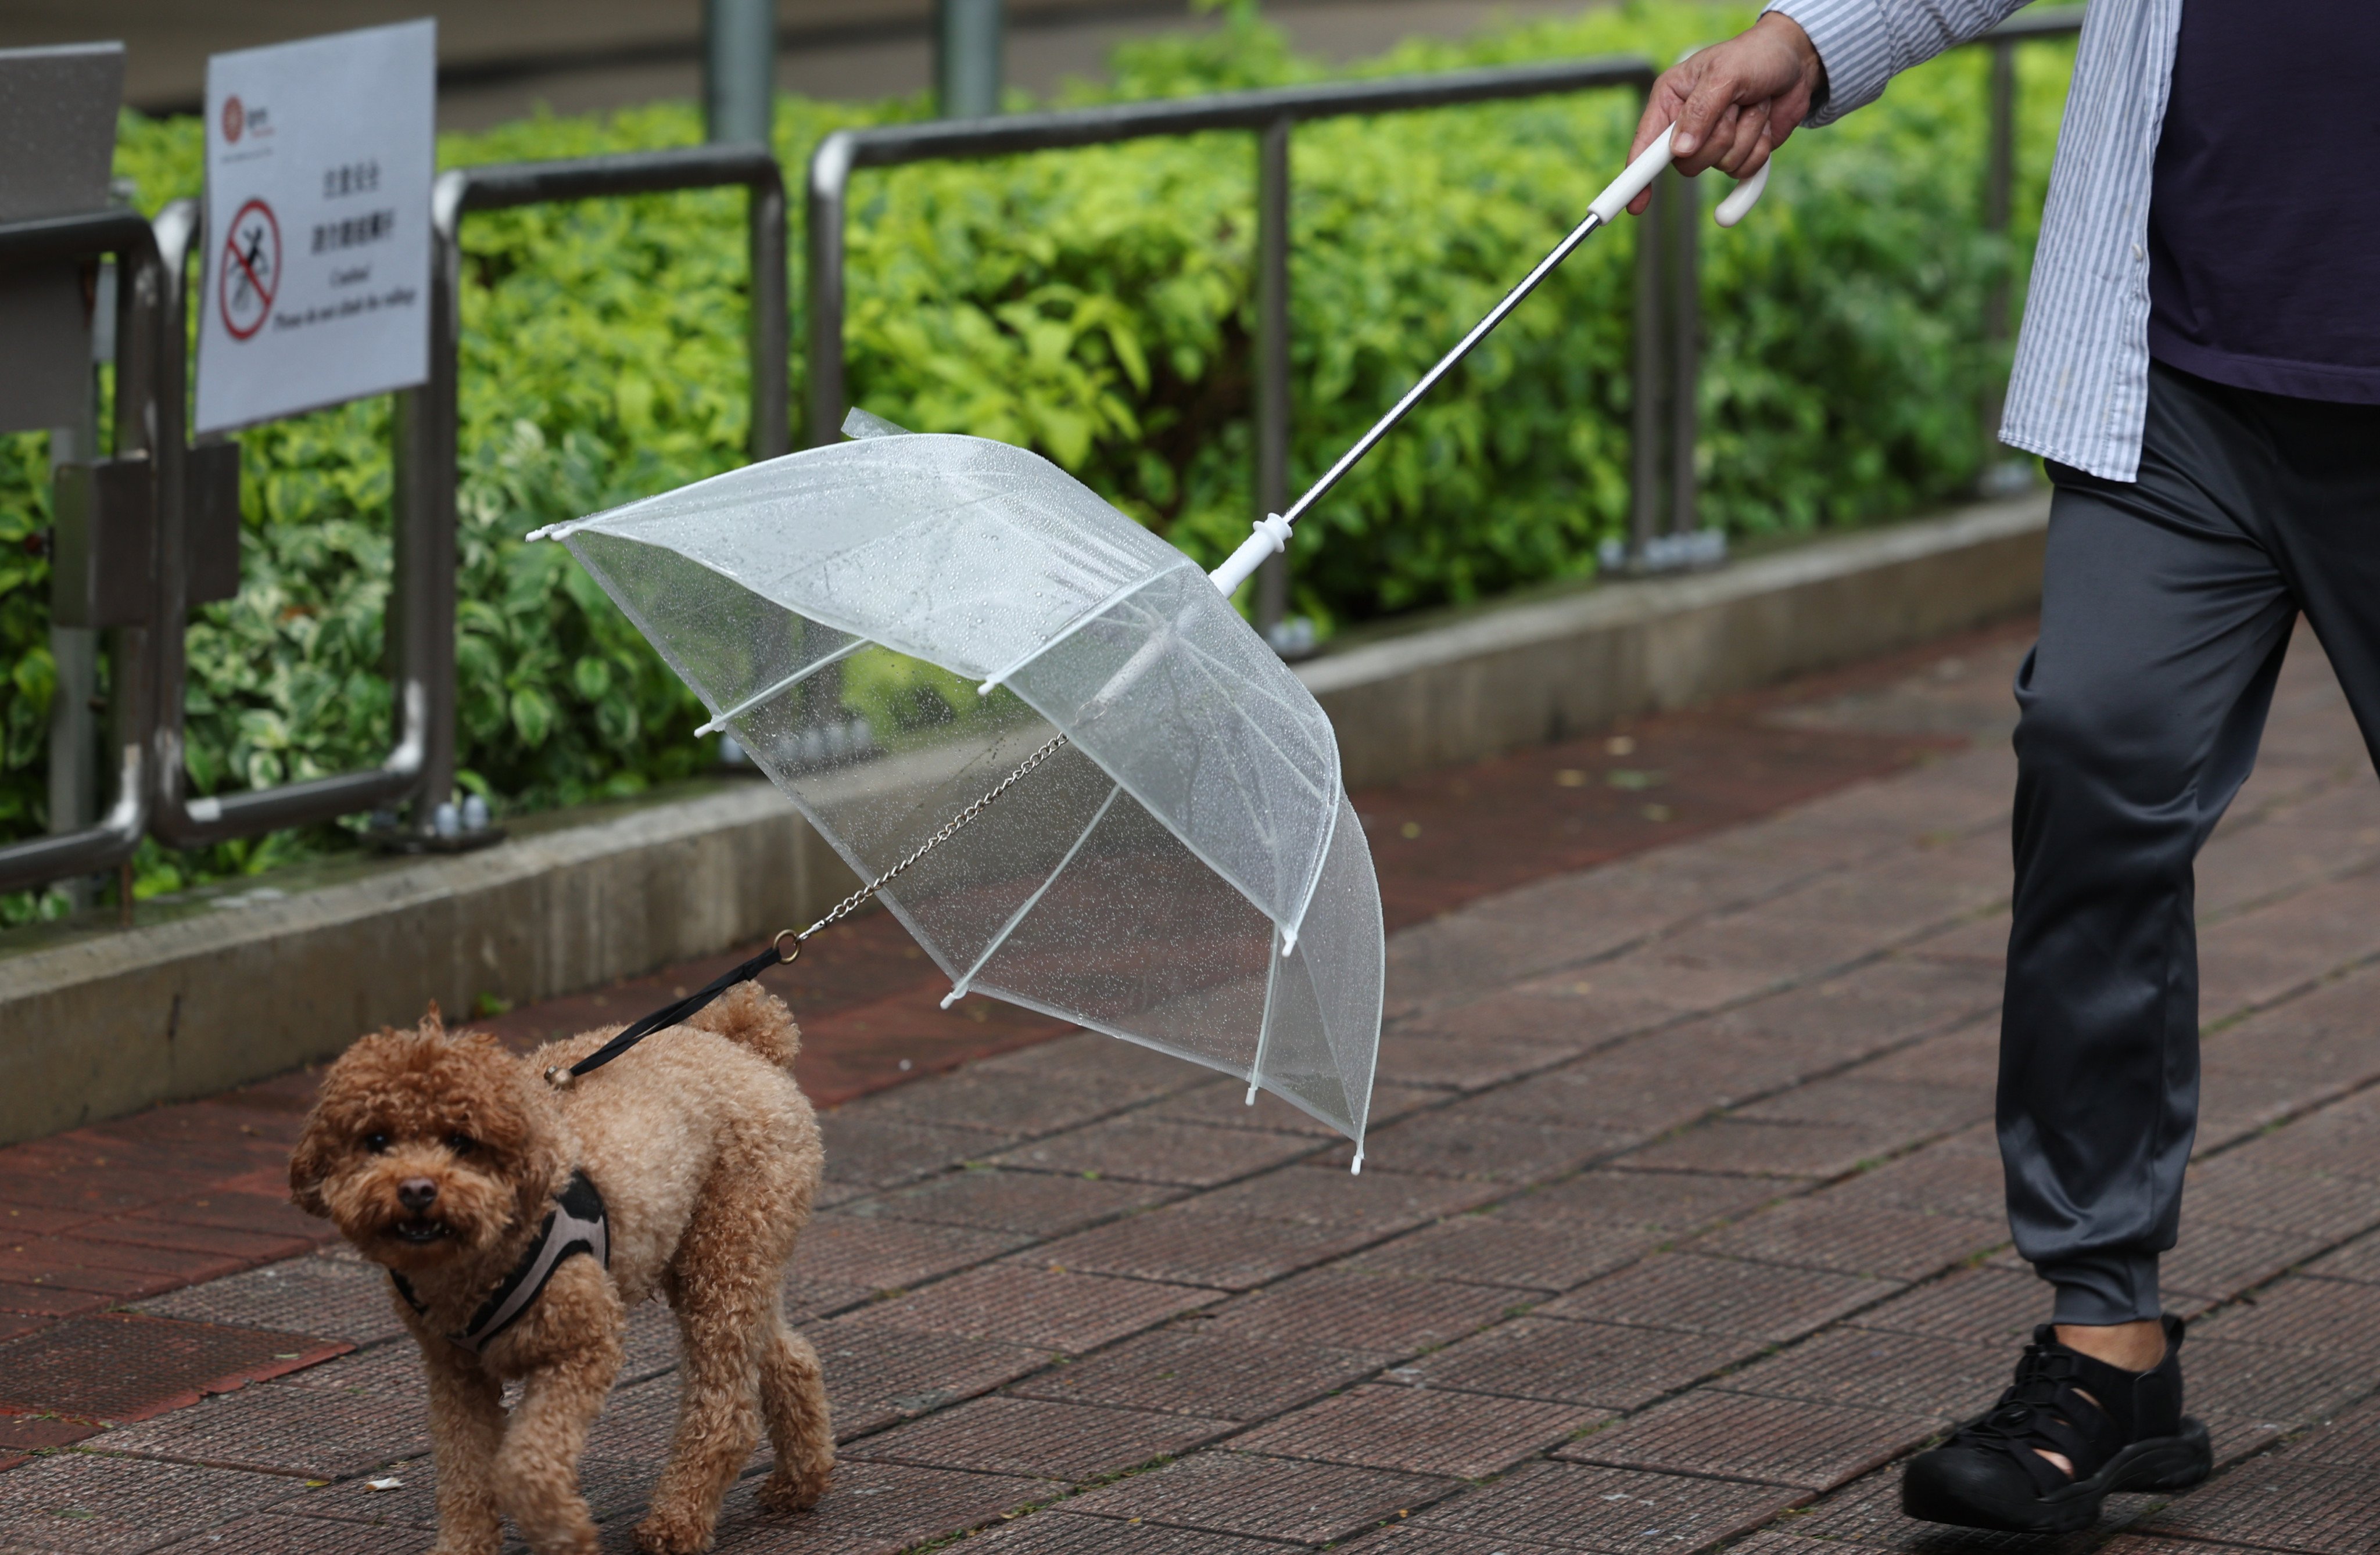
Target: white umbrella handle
[1272, 534]
[1647, 166]
[1271, 538]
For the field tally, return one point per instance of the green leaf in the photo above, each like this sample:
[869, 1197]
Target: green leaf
[534, 716]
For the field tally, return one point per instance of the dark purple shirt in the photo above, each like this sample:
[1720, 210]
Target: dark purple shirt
[2264, 213]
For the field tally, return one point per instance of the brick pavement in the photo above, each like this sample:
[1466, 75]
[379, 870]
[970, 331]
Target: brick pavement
[1679, 1223]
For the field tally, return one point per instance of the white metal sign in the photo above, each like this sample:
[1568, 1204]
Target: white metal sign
[317, 282]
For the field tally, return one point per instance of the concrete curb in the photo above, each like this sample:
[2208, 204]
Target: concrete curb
[234, 984]
[1533, 674]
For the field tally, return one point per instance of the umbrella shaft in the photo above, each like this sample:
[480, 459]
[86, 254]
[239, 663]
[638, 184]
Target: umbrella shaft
[1479, 331]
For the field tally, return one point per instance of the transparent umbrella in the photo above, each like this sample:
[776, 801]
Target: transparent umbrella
[892, 625]
[902, 629]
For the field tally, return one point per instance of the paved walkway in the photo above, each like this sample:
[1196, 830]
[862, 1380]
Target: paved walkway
[1680, 1220]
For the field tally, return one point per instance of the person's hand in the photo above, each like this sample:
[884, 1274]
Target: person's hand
[1733, 102]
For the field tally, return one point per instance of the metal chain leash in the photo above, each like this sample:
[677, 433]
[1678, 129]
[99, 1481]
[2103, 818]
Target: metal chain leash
[850, 903]
[777, 955]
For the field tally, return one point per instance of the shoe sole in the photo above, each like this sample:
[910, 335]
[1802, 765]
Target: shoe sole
[2164, 1462]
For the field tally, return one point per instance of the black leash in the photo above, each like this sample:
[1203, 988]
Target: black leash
[776, 955]
[673, 1014]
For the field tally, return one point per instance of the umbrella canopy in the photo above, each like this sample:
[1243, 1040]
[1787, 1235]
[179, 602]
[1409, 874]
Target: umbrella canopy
[891, 625]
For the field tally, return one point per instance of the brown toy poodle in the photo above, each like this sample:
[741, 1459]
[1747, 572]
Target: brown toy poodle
[685, 1168]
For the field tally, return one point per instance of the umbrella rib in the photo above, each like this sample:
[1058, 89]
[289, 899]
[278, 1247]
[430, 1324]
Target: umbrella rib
[796, 678]
[1158, 1044]
[1261, 690]
[959, 988]
[1224, 691]
[1206, 668]
[1321, 862]
[1264, 1023]
[1074, 626]
[1322, 853]
[989, 496]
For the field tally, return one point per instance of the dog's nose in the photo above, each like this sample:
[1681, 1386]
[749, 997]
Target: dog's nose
[417, 1193]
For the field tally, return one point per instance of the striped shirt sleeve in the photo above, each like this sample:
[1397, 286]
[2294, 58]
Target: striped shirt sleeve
[2078, 392]
[1863, 43]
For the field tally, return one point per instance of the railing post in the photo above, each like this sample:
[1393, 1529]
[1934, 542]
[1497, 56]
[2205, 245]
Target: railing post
[1272, 362]
[823, 201]
[74, 731]
[404, 622]
[968, 62]
[109, 840]
[772, 429]
[74, 754]
[1999, 186]
[140, 389]
[430, 424]
[1649, 353]
[1684, 318]
[178, 227]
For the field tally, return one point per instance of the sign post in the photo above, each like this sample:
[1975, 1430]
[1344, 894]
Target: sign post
[969, 38]
[319, 155]
[739, 70]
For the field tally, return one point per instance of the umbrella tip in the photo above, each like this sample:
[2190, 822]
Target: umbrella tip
[1288, 942]
[1251, 1093]
[953, 996]
[861, 424]
[987, 687]
[1356, 1168]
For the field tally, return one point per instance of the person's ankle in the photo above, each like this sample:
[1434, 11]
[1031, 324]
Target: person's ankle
[2134, 1347]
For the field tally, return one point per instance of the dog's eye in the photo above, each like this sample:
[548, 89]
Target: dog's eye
[375, 1142]
[461, 1144]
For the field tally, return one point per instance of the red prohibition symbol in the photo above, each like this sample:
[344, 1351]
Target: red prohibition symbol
[250, 270]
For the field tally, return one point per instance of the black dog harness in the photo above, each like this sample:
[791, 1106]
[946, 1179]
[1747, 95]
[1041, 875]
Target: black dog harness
[575, 1224]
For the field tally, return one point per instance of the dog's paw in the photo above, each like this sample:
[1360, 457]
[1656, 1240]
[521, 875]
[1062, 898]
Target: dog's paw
[666, 1533]
[795, 1492]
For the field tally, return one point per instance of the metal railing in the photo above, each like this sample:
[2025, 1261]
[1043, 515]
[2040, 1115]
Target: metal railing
[509, 186]
[1664, 354]
[152, 663]
[131, 694]
[422, 608]
[434, 434]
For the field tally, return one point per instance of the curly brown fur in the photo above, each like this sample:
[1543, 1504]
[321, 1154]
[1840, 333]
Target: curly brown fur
[437, 1154]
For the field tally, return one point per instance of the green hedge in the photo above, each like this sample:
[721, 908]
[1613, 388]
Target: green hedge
[1095, 306]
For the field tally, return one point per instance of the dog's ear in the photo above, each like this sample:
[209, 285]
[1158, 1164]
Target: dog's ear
[310, 1163]
[520, 1123]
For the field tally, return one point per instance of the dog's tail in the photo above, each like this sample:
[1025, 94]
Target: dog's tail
[749, 1016]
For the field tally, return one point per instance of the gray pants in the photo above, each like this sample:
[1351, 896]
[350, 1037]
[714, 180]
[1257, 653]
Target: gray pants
[2166, 609]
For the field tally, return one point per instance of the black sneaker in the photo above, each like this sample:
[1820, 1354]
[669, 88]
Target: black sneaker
[2134, 1436]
